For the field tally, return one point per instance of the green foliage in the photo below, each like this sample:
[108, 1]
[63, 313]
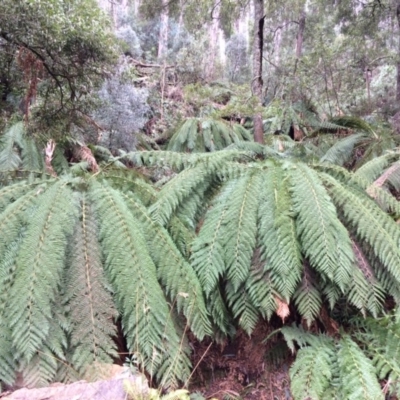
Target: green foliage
[86, 254]
[18, 150]
[200, 135]
[276, 229]
[281, 116]
[58, 55]
[348, 366]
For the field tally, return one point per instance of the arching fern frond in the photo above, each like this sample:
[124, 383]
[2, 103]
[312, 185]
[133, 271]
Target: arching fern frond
[325, 366]
[92, 308]
[40, 262]
[175, 274]
[323, 238]
[139, 297]
[280, 248]
[373, 168]
[19, 151]
[200, 135]
[358, 378]
[84, 249]
[341, 151]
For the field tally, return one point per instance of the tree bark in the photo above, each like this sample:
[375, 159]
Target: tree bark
[300, 38]
[163, 35]
[257, 81]
[398, 53]
[214, 39]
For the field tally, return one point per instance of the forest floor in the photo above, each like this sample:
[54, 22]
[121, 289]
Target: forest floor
[246, 368]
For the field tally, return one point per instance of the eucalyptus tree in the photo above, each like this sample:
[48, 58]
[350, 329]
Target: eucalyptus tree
[60, 52]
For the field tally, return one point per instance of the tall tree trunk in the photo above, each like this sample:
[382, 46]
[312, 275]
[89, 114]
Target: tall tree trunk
[257, 82]
[300, 38]
[214, 40]
[398, 53]
[277, 45]
[163, 36]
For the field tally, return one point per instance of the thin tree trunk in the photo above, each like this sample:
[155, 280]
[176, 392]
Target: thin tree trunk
[398, 53]
[300, 38]
[163, 36]
[214, 39]
[257, 82]
[277, 46]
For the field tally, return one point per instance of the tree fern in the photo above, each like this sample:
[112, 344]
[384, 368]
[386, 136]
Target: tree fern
[327, 368]
[85, 249]
[199, 135]
[300, 223]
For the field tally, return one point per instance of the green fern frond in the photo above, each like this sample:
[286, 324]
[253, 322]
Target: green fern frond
[175, 274]
[341, 151]
[327, 368]
[139, 298]
[352, 122]
[32, 159]
[311, 372]
[179, 161]
[361, 213]
[358, 378]
[307, 296]
[366, 293]
[277, 233]
[260, 289]
[38, 276]
[7, 275]
[90, 300]
[197, 135]
[239, 232]
[297, 335]
[41, 370]
[9, 194]
[373, 168]
[382, 197]
[176, 192]
[9, 155]
[17, 150]
[324, 239]
[381, 340]
[242, 307]
[215, 250]
[219, 313]
[181, 235]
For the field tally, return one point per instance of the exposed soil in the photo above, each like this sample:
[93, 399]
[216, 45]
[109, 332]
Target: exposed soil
[244, 368]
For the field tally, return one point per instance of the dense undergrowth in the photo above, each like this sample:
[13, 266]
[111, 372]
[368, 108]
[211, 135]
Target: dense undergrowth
[204, 243]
